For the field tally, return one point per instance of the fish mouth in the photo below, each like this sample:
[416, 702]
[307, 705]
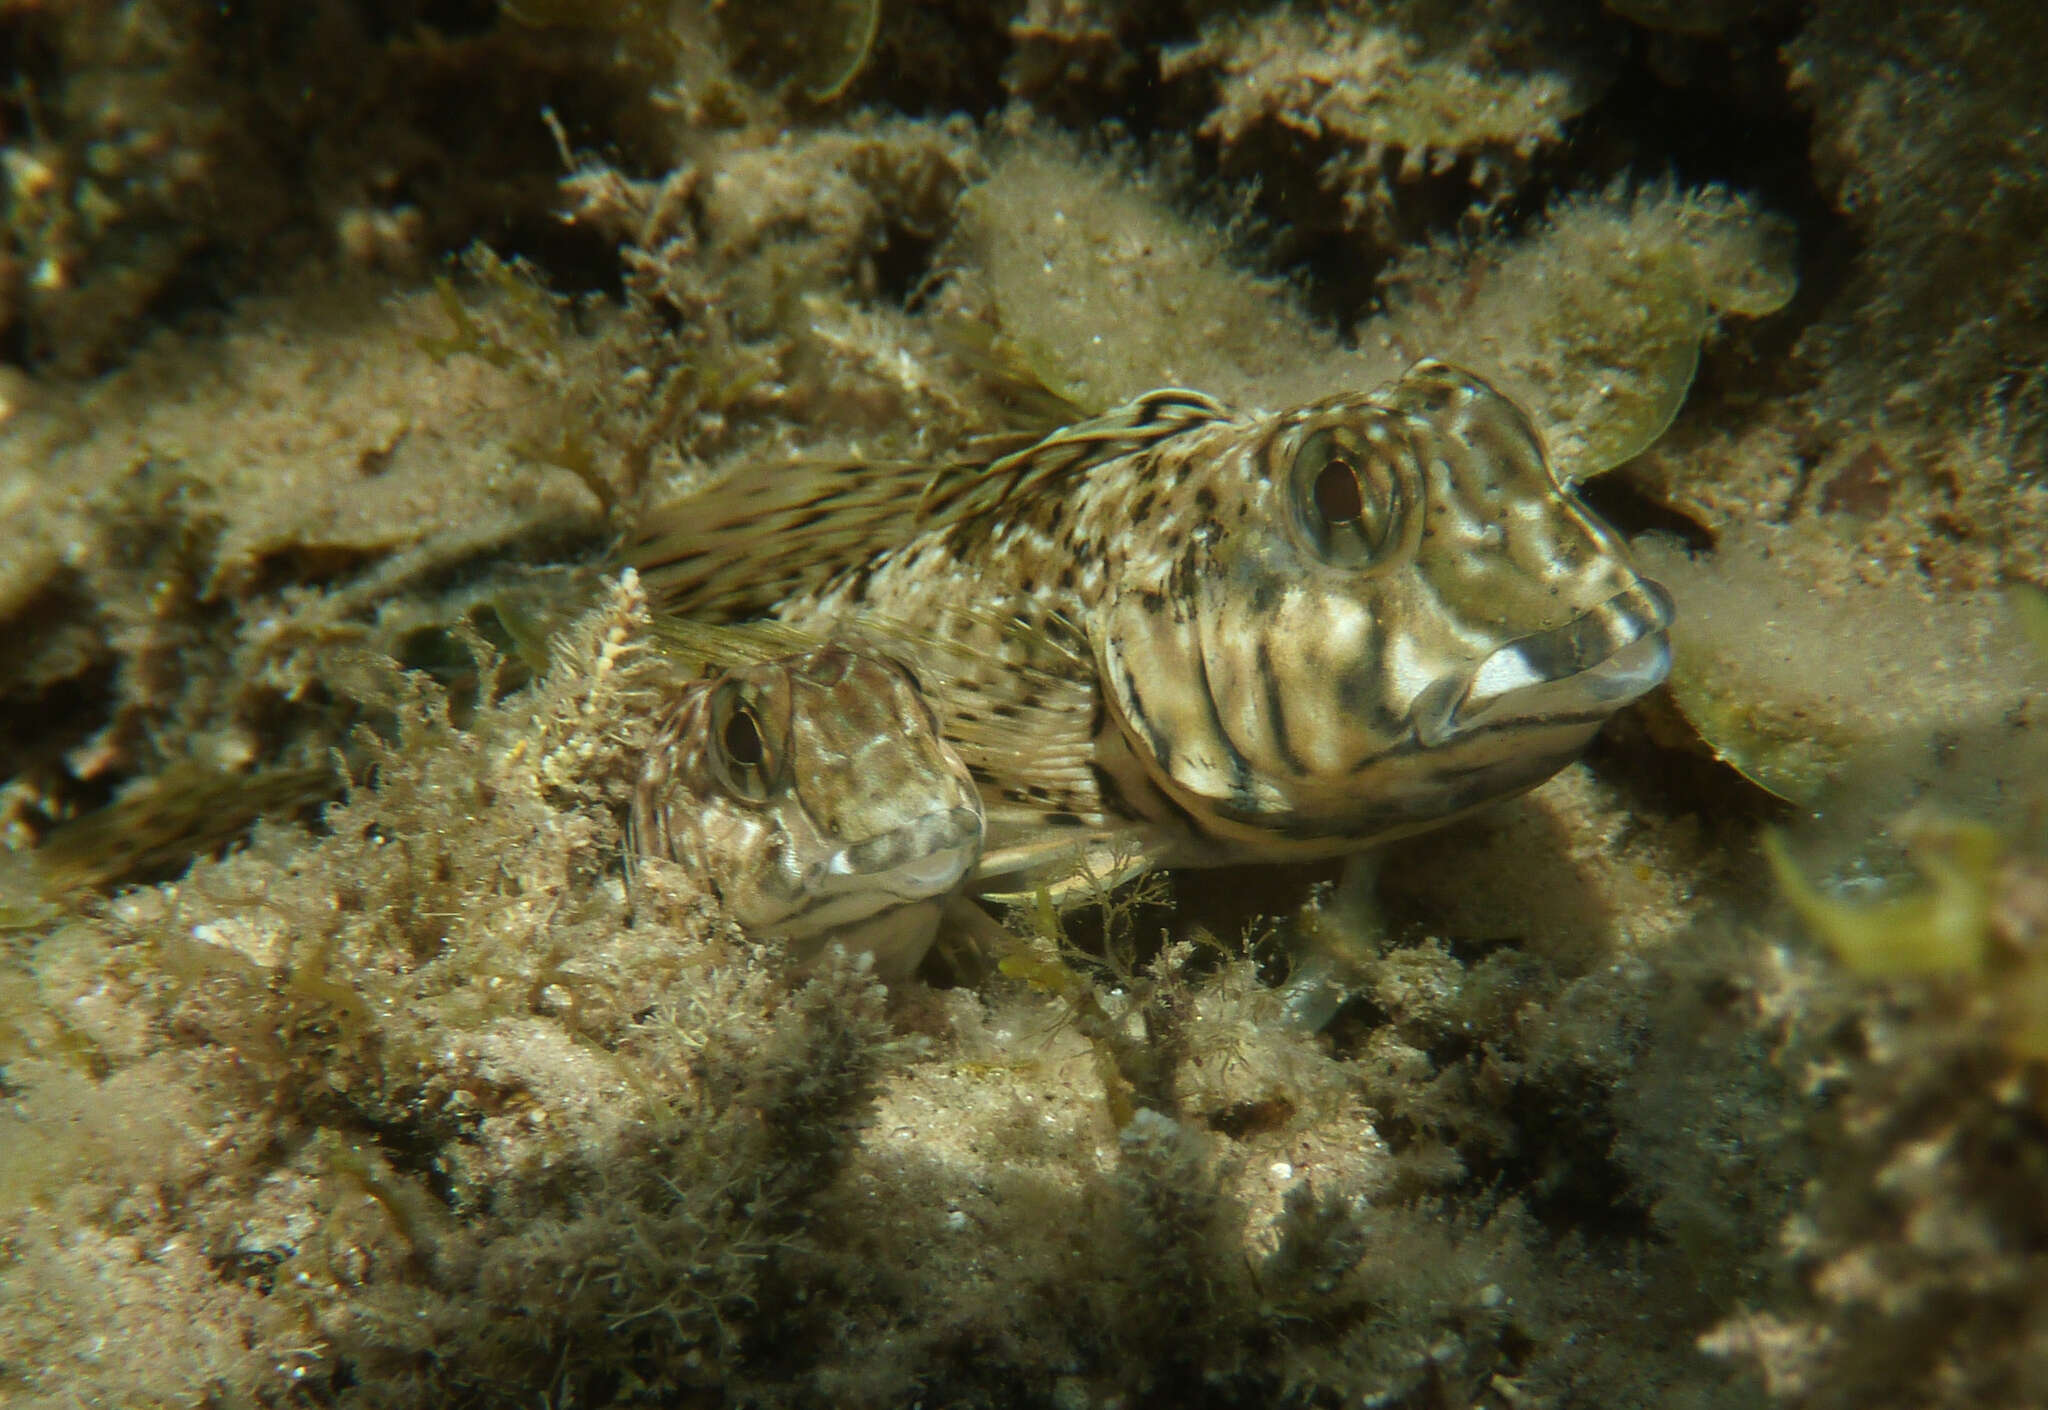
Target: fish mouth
[924, 859]
[1574, 674]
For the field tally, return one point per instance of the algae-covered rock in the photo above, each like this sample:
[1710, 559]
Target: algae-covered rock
[1811, 687]
[1594, 319]
[1402, 129]
[1926, 134]
[166, 155]
[355, 466]
[1106, 290]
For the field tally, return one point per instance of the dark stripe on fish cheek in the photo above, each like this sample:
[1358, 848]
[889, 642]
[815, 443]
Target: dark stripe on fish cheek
[1359, 698]
[1240, 770]
[1185, 580]
[1116, 801]
[1135, 716]
[1276, 711]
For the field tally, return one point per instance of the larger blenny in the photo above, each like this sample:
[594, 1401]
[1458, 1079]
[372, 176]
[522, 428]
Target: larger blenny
[1270, 635]
[815, 795]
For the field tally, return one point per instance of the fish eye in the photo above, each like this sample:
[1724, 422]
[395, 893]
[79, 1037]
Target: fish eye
[1337, 493]
[1347, 498]
[743, 738]
[745, 758]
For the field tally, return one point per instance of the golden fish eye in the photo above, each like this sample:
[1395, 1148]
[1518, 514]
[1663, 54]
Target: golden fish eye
[1347, 499]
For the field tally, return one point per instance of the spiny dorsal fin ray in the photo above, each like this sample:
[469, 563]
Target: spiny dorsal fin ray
[738, 548]
[964, 489]
[769, 532]
[702, 646]
[1018, 699]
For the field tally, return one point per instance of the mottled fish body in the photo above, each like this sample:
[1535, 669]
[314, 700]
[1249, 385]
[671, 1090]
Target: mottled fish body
[1268, 635]
[815, 794]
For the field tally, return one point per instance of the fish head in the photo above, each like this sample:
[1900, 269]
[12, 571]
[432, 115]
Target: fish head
[817, 797]
[1394, 614]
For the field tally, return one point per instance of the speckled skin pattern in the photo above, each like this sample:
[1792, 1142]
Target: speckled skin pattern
[817, 797]
[1308, 630]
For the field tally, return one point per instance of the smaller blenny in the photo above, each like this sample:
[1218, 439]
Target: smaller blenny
[816, 795]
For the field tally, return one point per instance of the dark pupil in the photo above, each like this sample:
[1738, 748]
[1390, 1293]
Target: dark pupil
[1337, 493]
[743, 738]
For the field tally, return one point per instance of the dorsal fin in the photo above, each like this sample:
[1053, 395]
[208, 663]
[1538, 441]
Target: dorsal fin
[735, 550]
[767, 532]
[704, 646]
[965, 489]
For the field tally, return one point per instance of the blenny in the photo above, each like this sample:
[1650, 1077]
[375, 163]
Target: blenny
[816, 796]
[1206, 637]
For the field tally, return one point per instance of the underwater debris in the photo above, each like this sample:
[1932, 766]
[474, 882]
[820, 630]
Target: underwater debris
[1979, 917]
[1916, 1245]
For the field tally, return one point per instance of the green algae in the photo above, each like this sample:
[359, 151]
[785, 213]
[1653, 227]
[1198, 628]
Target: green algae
[1942, 927]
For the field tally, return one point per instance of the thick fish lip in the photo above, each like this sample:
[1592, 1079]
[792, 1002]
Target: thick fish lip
[1590, 666]
[924, 859]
